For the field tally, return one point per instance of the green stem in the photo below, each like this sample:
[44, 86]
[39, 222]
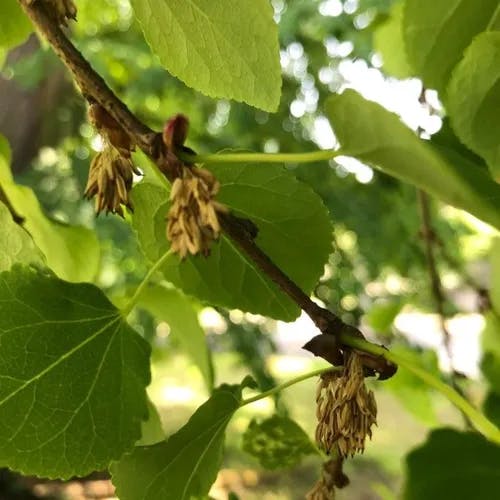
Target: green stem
[289, 383]
[478, 420]
[133, 301]
[493, 19]
[308, 157]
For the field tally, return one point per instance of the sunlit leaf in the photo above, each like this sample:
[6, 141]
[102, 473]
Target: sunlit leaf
[16, 245]
[14, 25]
[388, 40]
[474, 99]
[437, 33]
[72, 252]
[220, 48]
[73, 377]
[172, 306]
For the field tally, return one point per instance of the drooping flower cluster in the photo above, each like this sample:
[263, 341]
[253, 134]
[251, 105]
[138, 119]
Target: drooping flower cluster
[321, 491]
[193, 222]
[110, 180]
[346, 409]
[332, 476]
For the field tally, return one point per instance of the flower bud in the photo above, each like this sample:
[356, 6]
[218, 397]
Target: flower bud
[175, 132]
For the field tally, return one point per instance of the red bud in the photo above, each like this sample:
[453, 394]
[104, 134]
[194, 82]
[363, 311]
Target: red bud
[175, 132]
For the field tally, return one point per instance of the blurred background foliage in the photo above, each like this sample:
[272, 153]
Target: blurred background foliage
[377, 267]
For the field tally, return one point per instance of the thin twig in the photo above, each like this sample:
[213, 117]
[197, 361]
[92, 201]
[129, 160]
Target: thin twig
[91, 84]
[437, 289]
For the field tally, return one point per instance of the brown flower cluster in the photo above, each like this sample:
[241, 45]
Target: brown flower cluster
[61, 10]
[110, 180]
[345, 409]
[193, 222]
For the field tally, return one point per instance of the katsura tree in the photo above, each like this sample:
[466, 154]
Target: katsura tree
[237, 230]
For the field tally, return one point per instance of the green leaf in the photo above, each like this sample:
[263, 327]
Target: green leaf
[148, 198]
[376, 136]
[452, 464]
[5, 153]
[217, 48]
[277, 442]
[494, 292]
[437, 33]
[414, 394]
[382, 314]
[16, 245]
[186, 464]
[490, 366]
[294, 230]
[14, 25]
[3, 56]
[172, 306]
[72, 252]
[491, 407]
[152, 428]
[73, 377]
[490, 340]
[447, 144]
[474, 99]
[388, 40]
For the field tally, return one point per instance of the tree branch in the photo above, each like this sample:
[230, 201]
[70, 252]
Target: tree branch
[95, 89]
[437, 290]
[92, 85]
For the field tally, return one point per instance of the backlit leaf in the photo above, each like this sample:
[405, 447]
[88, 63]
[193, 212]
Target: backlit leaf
[437, 33]
[225, 48]
[376, 136]
[16, 245]
[172, 306]
[474, 99]
[14, 25]
[72, 252]
[388, 40]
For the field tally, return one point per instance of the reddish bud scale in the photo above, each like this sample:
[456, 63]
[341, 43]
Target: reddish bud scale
[175, 132]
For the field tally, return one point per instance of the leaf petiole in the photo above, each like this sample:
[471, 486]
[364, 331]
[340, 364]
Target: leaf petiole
[133, 301]
[308, 157]
[289, 383]
[477, 419]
